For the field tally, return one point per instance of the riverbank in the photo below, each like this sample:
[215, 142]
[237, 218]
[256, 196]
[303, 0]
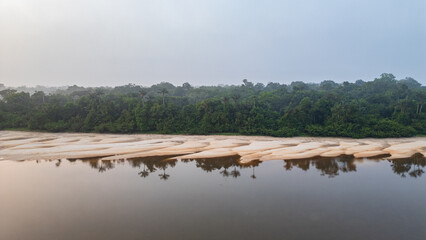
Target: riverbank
[21, 145]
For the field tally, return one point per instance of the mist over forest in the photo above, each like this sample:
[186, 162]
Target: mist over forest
[383, 107]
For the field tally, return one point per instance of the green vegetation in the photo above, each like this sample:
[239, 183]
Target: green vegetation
[385, 107]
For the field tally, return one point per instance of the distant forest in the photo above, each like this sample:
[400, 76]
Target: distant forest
[384, 107]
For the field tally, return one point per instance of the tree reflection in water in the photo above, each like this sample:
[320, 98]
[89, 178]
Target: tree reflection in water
[230, 166]
[222, 165]
[96, 163]
[412, 166]
[253, 175]
[93, 163]
[235, 173]
[144, 173]
[330, 167]
[151, 164]
[225, 172]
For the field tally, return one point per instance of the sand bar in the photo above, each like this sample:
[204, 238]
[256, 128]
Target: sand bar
[17, 145]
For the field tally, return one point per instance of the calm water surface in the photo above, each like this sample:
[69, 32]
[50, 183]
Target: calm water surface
[213, 199]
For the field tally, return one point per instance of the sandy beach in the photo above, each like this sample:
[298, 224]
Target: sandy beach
[17, 145]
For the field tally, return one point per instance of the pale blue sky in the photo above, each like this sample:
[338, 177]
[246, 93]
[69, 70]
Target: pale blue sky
[110, 42]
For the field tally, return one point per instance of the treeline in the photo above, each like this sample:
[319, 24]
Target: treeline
[384, 107]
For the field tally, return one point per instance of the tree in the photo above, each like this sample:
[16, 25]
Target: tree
[253, 175]
[384, 107]
[163, 92]
[144, 173]
[236, 97]
[235, 173]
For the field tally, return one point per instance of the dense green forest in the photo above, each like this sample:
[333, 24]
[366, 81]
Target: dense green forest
[384, 107]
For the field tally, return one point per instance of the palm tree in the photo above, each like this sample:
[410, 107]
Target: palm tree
[163, 165]
[164, 176]
[143, 93]
[235, 173]
[163, 92]
[205, 106]
[254, 100]
[102, 169]
[144, 173]
[419, 108]
[253, 175]
[105, 165]
[225, 172]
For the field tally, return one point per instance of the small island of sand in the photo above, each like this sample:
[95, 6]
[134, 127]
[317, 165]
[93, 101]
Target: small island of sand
[16, 145]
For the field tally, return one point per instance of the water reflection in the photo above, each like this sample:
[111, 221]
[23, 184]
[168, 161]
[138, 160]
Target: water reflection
[152, 164]
[411, 166]
[231, 167]
[137, 198]
[330, 167]
[227, 166]
[95, 163]
[58, 163]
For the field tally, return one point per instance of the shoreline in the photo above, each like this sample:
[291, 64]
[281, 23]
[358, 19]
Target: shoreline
[184, 134]
[24, 145]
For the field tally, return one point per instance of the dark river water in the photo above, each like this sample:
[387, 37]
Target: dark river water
[213, 199]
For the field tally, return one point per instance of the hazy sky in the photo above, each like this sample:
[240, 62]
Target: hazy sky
[205, 42]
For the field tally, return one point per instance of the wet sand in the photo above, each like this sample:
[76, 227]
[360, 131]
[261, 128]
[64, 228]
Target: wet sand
[16, 145]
